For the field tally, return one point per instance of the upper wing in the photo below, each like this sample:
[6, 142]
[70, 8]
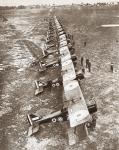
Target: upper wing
[77, 108]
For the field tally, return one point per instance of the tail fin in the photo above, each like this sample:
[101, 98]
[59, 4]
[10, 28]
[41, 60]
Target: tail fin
[32, 118]
[33, 128]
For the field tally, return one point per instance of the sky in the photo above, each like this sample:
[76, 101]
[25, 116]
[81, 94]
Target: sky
[59, 2]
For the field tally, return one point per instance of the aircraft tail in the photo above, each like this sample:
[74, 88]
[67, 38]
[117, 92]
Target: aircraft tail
[34, 127]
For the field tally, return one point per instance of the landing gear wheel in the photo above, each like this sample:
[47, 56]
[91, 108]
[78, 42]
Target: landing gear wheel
[60, 119]
[57, 65]
[57, 84]
[54, 65]
[53, 85]
[88, 125]
[54, 120]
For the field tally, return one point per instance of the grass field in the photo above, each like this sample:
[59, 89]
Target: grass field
[21, 40]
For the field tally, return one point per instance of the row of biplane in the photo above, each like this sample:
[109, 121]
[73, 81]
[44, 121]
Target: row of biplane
[76, 112]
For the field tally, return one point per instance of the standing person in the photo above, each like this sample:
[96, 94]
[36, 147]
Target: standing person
[87, 61]
[68, 36]
[89, 66]
[81, 61]
[112, 67]
[83, 70]
[85, 44]
[71, 36]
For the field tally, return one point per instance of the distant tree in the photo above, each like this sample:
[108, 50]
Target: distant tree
[21, 7]
[6, 7]
[38, 6]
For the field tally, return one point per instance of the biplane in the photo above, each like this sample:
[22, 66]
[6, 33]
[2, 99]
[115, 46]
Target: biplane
[49, 52]
[41, 84]
[76, 112]
[49, 63]
[53, 58]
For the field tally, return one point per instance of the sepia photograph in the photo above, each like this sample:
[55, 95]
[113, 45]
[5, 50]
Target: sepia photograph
[59, 75]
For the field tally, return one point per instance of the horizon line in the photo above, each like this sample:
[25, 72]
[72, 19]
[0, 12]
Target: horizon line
[60, 4]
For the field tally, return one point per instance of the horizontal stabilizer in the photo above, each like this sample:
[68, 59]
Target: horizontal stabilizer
[33, 129]
[32, 118]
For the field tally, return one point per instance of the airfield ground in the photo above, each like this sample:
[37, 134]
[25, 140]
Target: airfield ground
[21, 40]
